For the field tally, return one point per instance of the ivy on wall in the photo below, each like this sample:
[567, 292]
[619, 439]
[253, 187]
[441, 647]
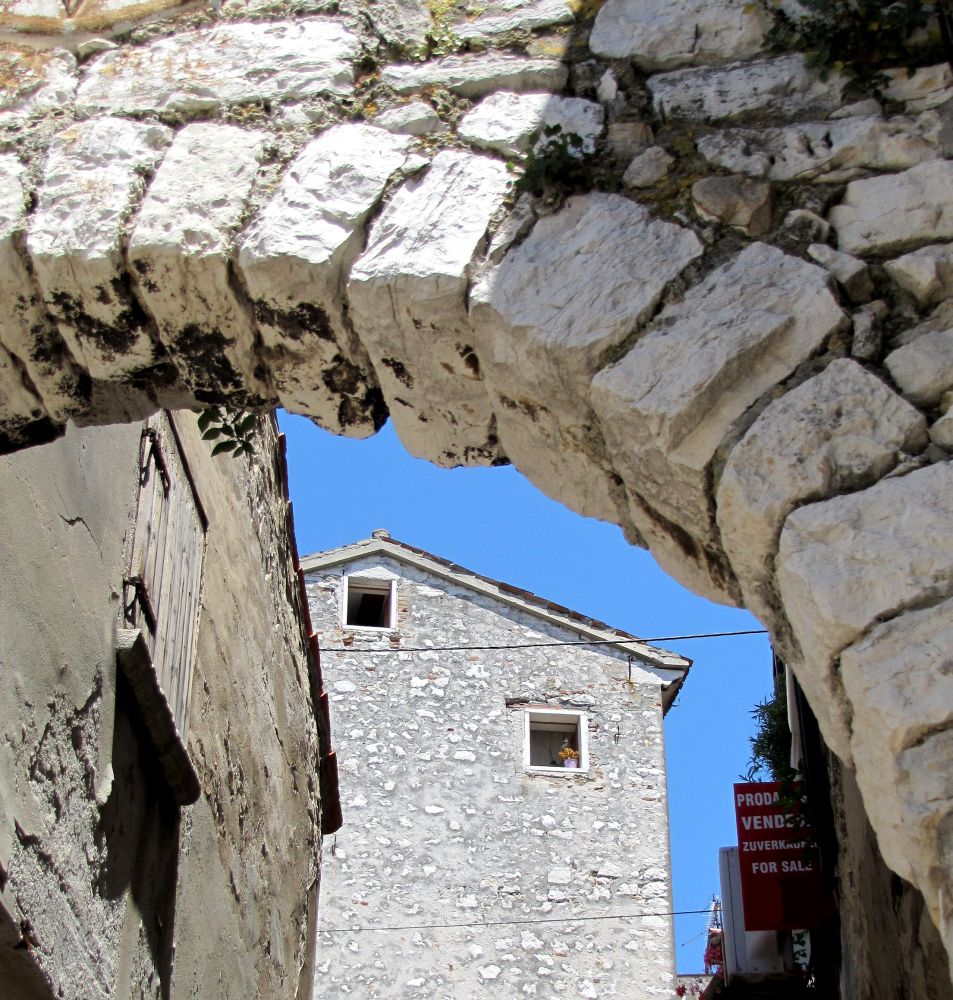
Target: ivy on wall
[861, 38]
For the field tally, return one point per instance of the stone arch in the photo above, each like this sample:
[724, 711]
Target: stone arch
[220, 209]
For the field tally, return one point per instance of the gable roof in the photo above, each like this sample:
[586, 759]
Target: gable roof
[671, 668]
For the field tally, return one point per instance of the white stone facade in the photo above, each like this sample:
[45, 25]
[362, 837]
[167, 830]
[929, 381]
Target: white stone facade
[500, 875]
[137, 278]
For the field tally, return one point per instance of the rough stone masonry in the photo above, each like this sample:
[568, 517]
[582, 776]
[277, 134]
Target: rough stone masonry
[735, 339]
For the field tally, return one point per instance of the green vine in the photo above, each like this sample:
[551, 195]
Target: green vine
[860, 38]
[233, 430]
[558, 163]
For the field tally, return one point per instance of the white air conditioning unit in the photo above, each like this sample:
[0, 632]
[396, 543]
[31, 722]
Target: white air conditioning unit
[749, 955]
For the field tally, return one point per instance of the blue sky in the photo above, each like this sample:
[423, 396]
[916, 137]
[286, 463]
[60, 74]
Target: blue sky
[495, 522]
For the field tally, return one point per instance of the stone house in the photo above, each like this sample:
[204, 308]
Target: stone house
[471, 858]
[161, 740]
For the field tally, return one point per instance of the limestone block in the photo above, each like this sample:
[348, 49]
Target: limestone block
[92, 181]
[179, 254]
[501, 16]
[923, 368]
[628, 139]
[294, 260]
[784, 87]
[476, 75]
[608, 87]
[34, 82]
[941, 432]
[848, 271]
[885, 215]
[831, 151]
[415, 118]
[402, 24]
[668, 404]
[803, 226]
[846, 563]
[24, 331]
[647, 168]
[926, 273]
[507, 122]
[579, 284]
[662, 34]
[858, 109]
[736, 201]
[867, 341]
[840, 431]
[19, 405]
[230, 64]
[407, 301]
[926, 87]
[899, 679]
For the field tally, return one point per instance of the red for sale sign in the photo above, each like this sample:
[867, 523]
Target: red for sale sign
[781, 886]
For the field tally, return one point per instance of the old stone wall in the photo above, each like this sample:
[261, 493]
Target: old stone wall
[889, 945]
[733, 338]
[500, 875]
[108, 888]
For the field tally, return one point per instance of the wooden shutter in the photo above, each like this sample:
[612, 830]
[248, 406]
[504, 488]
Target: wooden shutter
[162, 592]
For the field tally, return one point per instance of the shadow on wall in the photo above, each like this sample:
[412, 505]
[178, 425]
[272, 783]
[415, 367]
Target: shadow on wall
[140, 824]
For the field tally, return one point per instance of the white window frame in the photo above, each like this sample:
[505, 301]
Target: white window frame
[370, 583]
[531, 715]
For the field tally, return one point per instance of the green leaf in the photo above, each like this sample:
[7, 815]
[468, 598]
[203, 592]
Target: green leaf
[206, 417]
[212, 433]
[224, 446]
[247, 425]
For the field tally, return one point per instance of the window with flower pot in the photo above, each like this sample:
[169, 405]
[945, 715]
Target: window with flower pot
[369, 603]
[555, 741]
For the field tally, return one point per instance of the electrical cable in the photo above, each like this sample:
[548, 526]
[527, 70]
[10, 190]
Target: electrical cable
[498, 923]
[542, 645]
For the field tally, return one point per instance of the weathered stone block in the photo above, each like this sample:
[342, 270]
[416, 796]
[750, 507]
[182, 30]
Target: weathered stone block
[415, 118]
[502, 16]
[92, 181]
[899, 679]
[924, 87]
[34, 82]
[24, 331]
[923, 368]
[883, 215]
[926, 273]
[179, 253]
[841, 430]
[407, 301]
[738, 202]
[666, 407]
[231, 64]
[849, 272]
[647, 168]
[851, 561]
[545, 318]
[663, 35]
[831, 151]
[295, 259]
[475, 75]
[508, 122]
[941, 432]
[782, 87]
[403, 24]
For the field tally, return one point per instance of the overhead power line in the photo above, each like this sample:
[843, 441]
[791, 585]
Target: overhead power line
[498, 923]
[542, 645]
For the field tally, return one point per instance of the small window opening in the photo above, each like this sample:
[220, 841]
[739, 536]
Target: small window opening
[369, 604]
[551, 735]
